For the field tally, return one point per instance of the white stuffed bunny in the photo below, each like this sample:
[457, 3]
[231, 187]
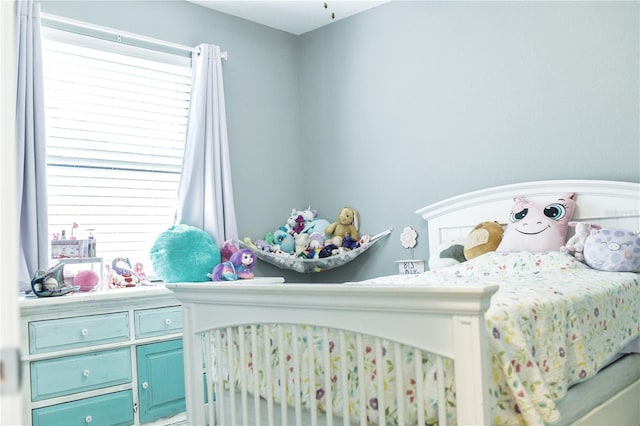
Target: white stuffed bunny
[575, 244]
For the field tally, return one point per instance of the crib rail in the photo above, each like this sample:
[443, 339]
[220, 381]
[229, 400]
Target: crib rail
[227, 322]
[277, 374]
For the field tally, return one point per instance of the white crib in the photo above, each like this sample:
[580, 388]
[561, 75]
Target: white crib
[245, 323]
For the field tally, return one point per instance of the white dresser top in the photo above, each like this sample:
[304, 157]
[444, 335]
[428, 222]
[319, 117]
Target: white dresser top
[102, 300]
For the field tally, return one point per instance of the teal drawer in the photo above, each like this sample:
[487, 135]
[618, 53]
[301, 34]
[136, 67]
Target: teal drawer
[78, 373]
[113, 409]
[75, 332]
[161, 391]
[156, 322]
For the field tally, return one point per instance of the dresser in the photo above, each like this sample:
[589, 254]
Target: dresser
[103, 358]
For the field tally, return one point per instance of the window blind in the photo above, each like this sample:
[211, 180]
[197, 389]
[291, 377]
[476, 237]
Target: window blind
[116, 120]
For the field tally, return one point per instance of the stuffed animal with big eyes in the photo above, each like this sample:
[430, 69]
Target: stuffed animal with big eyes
[239, 266]
[538, 226]
[284, 240]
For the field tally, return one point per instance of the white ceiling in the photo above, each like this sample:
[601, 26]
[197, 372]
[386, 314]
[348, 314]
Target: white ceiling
[293, 16]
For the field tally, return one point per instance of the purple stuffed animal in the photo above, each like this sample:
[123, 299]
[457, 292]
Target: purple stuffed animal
[239, 266]
[615, 250]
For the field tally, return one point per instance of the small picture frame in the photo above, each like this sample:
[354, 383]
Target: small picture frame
[410, 266]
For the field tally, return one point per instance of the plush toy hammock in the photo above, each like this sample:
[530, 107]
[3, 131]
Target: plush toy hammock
[307, 266]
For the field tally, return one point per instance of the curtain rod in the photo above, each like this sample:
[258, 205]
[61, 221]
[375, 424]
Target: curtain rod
[120, 34]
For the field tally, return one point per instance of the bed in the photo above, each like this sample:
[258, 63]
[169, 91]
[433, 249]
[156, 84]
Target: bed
[505, 338]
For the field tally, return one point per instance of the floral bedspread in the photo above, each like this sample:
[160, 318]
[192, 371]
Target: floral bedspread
[306, 351]
[553, 322]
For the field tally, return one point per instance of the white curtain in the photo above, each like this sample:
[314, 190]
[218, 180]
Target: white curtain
[33, 253]
[205, 195]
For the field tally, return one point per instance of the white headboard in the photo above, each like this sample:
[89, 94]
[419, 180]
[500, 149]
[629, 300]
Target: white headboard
[609, 203]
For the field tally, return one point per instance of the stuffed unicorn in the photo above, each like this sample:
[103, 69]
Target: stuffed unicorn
[575, 244]
[298, 219]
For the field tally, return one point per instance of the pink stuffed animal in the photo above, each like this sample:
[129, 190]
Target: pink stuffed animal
[538, 226]
[227, 251]
[575, 244]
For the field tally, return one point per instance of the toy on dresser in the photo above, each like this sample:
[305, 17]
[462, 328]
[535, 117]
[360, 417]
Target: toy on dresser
[51, 283]
[123, 275]
[86, 280]
[239, 266]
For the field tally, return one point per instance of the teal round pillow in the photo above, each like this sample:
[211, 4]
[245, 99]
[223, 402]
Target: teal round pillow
[184, 253]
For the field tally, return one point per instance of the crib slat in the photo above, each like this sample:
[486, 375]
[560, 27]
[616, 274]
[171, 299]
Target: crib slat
[360, 363]
[397, 349]
[380, 381]
[207, 338]
[344, 389]
[442, 403]
[268, 372]
[419, 386]
[284, 383]
[243, 376]
[256, 377]
[219, 397]
[232, 375]
[313, 406]
[328, 394]
[296, 375]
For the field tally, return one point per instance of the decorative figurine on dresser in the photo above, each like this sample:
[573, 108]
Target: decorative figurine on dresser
[84, 269]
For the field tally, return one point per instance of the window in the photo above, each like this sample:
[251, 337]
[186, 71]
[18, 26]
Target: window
[116, 118]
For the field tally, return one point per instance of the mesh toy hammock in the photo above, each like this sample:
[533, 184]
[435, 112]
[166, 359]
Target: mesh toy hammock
[307, 266]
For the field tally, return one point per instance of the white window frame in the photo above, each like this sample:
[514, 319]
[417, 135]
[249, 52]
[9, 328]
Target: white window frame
[125, 242]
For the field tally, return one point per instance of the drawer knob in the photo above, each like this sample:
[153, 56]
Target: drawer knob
[145, 385]
[86, 373]
[88, 419]
[85, 332]
[167, 321]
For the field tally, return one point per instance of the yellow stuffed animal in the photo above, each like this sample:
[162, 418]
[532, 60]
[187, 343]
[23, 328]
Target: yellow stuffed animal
[485, 237]
[347, 224]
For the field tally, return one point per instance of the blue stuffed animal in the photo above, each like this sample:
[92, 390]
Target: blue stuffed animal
[316, 225]
[285, 240]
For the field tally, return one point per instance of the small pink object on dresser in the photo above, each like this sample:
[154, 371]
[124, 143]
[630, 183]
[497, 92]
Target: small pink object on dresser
[87, 280]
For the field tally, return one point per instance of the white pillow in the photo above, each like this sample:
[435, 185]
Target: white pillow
[448, 254]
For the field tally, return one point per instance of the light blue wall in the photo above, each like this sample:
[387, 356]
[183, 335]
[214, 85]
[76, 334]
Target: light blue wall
[408, 103]
[413, 102]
